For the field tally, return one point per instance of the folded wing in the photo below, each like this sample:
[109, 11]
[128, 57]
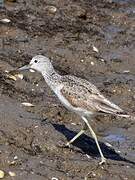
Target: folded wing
[83, 94]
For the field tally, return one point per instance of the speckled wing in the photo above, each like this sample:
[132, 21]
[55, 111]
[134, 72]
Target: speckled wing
[81, 93]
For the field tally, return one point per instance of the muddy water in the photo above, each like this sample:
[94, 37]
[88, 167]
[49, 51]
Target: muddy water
[31, 137]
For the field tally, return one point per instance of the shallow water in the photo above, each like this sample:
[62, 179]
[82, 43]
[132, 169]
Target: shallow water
[115, 138]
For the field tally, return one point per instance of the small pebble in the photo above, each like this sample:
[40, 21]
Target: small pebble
[27, 104]
[11, 162]
[82, 60]
[93, 174]
[102, 60]
[20, 76]
[12, 174]
[52, 9]
[95, 49]
[73, 124]
[15, 157]
[92, 63]
[31, 70]
[126, 71]
[36, 127]
[5, 20]
[41, 162]
[88, 156]
[118, 151]
[108, 144]
[54, 178]
[13, 76]
[2, 174]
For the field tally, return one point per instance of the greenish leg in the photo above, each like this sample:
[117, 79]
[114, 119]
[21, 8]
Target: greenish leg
[103, 159]
[77, 135]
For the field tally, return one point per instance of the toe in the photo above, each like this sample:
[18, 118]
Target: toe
[67, 144]
[103, 161]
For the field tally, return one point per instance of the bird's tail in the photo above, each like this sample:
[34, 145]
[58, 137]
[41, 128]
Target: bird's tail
[125, 115]
[105, 106]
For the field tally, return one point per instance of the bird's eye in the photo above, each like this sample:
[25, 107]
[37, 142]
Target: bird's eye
[35, 61]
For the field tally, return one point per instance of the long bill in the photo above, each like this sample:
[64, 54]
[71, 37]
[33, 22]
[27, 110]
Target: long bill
[27, 67]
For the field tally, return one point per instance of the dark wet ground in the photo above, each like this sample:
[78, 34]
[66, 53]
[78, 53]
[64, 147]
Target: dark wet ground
[31, 137]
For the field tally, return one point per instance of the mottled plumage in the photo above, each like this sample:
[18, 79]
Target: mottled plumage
[76, 94]
[81, 93]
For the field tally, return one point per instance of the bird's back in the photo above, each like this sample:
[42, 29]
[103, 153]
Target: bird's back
[83, 94]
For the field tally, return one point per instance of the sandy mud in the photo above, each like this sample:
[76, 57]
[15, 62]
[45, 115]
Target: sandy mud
[92, 39]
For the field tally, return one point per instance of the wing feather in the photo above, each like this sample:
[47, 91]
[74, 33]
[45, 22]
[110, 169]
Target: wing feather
[81, 93]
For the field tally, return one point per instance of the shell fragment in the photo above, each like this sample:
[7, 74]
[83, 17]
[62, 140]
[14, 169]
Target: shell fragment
[95, 49]
[2, 174]
[27, 104]
[5, 20]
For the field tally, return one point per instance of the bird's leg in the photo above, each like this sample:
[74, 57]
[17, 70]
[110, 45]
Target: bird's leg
[103, 159]
[77, 135]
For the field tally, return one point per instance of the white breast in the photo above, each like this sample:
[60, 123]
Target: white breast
[63, 100]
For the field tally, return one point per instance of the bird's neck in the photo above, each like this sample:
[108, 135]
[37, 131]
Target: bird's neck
[51, 77]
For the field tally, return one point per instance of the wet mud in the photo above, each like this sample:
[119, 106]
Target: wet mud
[91, 39]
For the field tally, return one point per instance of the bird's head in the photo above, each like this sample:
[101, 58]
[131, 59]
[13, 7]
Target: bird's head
[39, 63]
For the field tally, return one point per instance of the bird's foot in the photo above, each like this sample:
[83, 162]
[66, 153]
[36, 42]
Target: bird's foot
[68, 144]
[103, 161]
[64, 145]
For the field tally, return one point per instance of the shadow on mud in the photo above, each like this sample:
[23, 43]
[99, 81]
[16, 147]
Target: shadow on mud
[88, 145]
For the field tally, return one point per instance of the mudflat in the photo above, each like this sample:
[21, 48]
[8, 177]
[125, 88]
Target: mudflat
[90, 39]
